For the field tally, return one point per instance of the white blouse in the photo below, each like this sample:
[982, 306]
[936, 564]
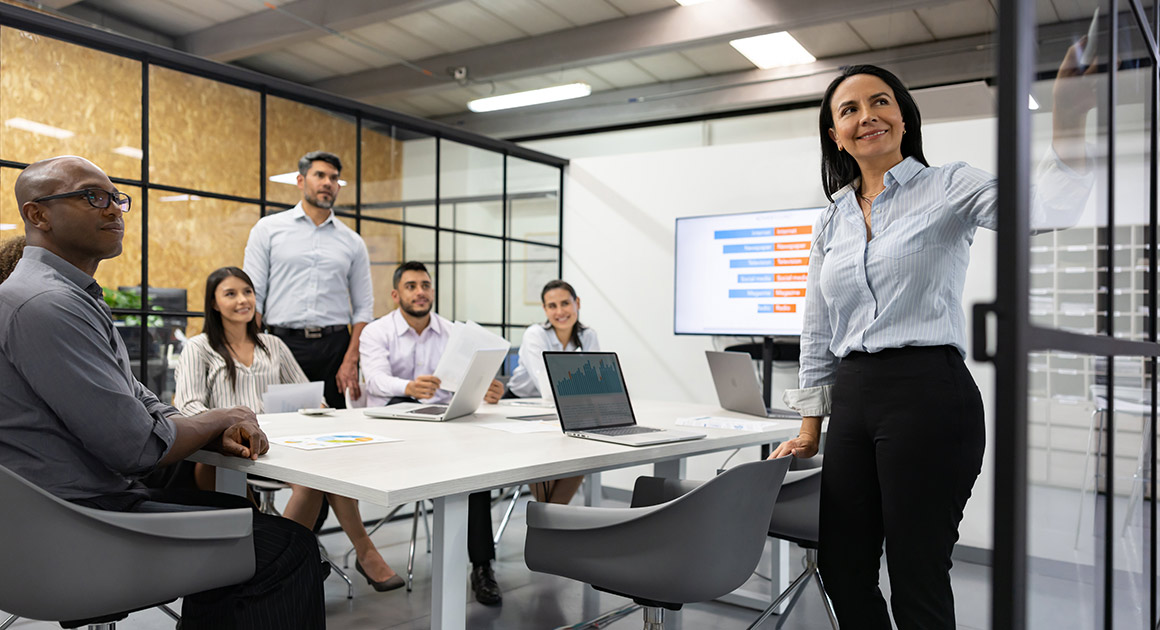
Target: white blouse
[203, 382]
[525, 381]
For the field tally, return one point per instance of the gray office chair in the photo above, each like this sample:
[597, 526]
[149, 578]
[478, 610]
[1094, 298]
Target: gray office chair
[81, 566]
[795, 518]
[684, 543]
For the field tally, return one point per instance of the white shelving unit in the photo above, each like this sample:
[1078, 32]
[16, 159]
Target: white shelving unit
[1069, 291]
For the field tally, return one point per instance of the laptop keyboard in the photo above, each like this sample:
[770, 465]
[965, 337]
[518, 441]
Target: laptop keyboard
[633, 430]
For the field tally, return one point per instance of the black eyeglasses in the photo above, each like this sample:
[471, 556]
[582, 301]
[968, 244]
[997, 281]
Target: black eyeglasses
[96, 197]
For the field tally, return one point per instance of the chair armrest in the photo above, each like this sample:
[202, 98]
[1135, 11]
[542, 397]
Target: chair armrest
[578, 517]
[208, 524]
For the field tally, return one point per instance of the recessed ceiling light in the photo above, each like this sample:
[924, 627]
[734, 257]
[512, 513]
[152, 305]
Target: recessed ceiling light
[773, 50]
[530, 97]
[38, 128]
[128, 151]
[292, 179]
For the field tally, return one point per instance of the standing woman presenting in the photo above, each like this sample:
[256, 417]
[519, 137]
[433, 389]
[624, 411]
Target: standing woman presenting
[883, 348]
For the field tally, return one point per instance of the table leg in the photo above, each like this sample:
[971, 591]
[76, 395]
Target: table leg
[449, 563]
[593, 491]
[230, 481]
[670, 468]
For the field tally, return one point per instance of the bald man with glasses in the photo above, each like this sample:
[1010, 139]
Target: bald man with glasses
[75, 421]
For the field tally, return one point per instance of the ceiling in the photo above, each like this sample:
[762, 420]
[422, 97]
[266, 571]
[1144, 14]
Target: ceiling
[646, 60]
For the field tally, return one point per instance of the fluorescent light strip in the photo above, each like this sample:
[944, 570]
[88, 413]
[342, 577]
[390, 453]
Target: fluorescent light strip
[38, 128]
[181, 198]
[128, 151]
[530, 97]
[7, 226]
[685, 3]
[773, 50]
[292, 179]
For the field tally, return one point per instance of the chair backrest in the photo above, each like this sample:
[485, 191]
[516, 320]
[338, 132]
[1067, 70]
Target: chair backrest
[61, 561]
[696, 547]
[795, 517]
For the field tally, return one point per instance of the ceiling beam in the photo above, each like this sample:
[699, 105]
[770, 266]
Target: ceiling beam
[936, 63]
[272, 29]
[643, 34]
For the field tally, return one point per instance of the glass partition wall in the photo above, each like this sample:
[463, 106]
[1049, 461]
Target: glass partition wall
[1075, 320]
[205, 150]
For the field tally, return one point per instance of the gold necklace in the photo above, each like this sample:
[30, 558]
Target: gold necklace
[870, 199]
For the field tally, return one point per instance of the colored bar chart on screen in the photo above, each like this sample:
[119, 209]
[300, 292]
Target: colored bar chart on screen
[589, 380]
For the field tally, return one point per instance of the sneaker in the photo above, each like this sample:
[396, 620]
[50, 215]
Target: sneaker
[484, 585]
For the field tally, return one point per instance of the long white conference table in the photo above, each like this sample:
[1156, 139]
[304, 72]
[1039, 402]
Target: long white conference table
[446, 461]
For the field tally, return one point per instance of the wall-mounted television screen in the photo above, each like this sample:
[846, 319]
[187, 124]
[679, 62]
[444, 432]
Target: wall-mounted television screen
[742, 274]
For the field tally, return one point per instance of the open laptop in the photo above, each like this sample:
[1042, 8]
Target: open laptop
[592, 401]
[480, 372]
[738, 388]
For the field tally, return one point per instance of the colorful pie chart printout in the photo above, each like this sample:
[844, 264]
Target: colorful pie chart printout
[331, 440]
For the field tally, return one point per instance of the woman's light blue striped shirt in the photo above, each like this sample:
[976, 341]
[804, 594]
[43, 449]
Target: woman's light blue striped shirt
[904, 286]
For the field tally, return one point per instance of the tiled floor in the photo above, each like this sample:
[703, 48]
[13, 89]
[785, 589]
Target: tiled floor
[540, 602]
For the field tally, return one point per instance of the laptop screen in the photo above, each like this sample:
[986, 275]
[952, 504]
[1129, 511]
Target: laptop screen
[589, 390]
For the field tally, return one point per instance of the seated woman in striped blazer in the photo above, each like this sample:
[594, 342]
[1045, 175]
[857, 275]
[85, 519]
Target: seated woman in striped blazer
[231, 364]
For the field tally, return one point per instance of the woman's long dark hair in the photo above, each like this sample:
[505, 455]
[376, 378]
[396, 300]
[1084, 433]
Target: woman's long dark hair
[576, 327]
[215, 329]
[838, 168]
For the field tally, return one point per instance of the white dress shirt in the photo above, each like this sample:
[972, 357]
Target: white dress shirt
[525, 381]
[393, 354]
[307, 275]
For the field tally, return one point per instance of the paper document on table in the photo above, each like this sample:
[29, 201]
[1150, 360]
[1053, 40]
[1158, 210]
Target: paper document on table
[523, 426]
[291, 397]
[331, 440]
[735, 424]
[466, 339]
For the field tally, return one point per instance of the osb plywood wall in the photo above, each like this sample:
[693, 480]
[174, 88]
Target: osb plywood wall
[203, 135]
[90, 99]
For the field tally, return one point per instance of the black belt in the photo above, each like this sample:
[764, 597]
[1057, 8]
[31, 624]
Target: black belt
[310, 332]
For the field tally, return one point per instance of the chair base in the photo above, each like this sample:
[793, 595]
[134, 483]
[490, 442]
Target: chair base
[796, 589]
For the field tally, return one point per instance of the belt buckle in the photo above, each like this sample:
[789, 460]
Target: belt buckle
[313, 332]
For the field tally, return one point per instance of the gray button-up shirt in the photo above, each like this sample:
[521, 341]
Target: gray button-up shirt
[73, 419]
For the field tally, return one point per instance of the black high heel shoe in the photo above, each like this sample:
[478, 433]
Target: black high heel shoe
[389, 584]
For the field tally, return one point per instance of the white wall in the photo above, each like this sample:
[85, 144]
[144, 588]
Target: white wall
[619, 217]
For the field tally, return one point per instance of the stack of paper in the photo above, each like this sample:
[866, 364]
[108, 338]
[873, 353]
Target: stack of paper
[466, 339]
[292, 397]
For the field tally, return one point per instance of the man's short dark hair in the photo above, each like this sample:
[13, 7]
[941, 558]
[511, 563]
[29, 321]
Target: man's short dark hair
[314, 156]
[411, 265]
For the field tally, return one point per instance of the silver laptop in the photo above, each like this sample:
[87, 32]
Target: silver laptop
[738, 388]
[592, 401]
[480, 372]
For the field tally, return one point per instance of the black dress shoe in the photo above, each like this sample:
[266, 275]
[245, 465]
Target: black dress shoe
[389, 584]
[484, 584]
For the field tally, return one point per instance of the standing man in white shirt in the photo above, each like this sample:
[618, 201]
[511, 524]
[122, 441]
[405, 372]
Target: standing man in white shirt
[399, 353]
[312, 280]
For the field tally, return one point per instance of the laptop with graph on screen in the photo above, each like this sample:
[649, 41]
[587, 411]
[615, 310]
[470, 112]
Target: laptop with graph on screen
[592, 401]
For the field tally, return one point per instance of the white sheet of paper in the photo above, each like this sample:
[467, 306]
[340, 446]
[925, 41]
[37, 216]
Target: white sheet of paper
[523, 426]
[292, 397]
[331, 440]
[466, 338]
[734, 424]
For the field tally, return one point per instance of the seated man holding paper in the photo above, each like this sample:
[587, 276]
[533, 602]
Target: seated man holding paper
[399, 353]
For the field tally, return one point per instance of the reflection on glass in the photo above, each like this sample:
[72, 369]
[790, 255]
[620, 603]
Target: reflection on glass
[385, 248]
[471, 188]
[200, 236]
[43, 80]
[419, 244]
[471, 291]
[203, 134]
[293, 130]
[534, 201]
